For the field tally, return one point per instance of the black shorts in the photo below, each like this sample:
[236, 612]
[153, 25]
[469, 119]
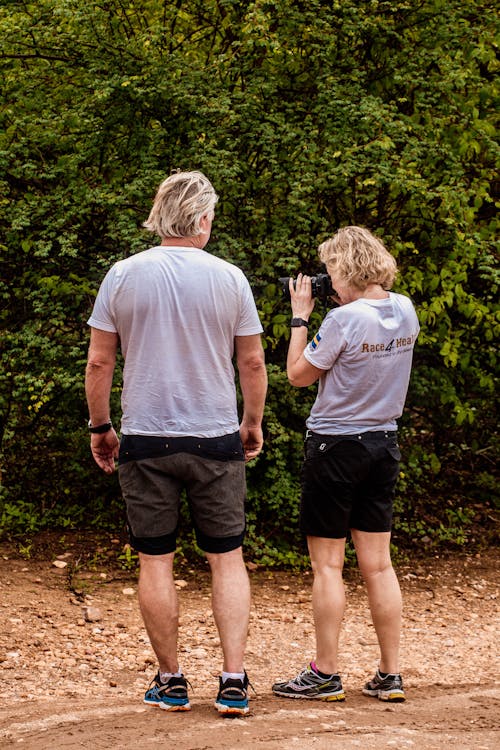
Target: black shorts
[348, 482]
[153, 472]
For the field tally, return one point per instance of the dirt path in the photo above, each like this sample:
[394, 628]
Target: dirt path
[73, 677]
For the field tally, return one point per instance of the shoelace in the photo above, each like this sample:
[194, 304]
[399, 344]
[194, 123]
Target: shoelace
[307, 677]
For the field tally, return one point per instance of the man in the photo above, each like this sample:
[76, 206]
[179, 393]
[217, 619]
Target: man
[179, 314]
[362, 358]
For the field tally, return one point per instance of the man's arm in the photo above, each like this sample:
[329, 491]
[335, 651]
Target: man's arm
[253, 382]
[98, 382]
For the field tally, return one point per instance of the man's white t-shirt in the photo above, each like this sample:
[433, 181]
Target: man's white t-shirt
[177, 311]
[366, 349]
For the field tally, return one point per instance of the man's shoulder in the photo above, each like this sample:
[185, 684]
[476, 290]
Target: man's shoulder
[223, 263]
[142, 256]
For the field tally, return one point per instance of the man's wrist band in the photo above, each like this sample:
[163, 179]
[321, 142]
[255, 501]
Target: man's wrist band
[100, 429]
[298, 322]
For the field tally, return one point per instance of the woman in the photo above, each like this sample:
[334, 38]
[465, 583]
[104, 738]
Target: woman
[361, 357]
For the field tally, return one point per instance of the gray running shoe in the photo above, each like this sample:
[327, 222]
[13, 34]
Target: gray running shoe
[389, 688]
[310, 686]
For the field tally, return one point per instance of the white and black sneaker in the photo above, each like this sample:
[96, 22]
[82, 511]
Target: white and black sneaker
[309, 685]
[386, 687]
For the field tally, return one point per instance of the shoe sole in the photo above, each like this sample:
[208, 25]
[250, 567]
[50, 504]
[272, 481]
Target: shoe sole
[231, 710]
[169, 706]
[327, 698]
[391, 696]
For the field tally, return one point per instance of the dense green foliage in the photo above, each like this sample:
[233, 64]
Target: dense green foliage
[306, 116]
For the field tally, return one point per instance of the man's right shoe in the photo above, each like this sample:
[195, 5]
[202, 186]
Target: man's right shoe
[310, 686]
[170, 695]
[388, 688]
[232, 698]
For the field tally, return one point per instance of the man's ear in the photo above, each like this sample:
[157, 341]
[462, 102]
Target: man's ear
[205, 222]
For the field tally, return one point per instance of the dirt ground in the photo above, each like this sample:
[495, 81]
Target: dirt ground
[75, 660]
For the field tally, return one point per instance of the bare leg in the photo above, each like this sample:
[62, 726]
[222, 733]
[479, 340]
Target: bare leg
[384, 594]
[328, 598]
[231, 605]
[159, 607]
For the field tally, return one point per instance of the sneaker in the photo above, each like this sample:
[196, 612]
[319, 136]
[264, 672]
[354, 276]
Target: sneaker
[388, 688]
[232, 698]
[308, 684]
[170, 695]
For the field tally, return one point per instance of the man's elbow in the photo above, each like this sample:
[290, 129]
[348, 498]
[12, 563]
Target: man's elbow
[255, 363]
[97, 364]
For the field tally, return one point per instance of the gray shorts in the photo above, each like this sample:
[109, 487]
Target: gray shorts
[154, 471]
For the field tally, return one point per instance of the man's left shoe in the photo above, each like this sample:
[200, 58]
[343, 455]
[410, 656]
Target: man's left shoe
[171, 695]
[232, 698]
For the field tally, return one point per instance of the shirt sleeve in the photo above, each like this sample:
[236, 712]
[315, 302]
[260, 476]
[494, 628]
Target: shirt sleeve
[323, 350]
[102, 316]
[249, 322]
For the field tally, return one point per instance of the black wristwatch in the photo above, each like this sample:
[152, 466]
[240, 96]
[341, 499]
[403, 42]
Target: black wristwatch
[298, 322]
[100, 429]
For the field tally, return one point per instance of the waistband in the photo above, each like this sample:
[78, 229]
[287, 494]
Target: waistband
[140, 447]
[375, 435]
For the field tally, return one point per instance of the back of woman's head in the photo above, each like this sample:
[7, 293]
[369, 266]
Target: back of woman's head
[181, 201]
[359, 258]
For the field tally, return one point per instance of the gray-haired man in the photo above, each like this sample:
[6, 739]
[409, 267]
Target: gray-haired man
[179, 314]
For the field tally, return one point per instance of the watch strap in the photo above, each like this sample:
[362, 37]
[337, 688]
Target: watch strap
[298, 322]
[100, 429]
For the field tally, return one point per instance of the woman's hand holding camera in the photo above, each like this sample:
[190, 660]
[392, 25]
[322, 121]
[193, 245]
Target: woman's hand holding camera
[301, 297]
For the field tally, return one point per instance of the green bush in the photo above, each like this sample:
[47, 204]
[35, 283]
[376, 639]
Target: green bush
[306, 117]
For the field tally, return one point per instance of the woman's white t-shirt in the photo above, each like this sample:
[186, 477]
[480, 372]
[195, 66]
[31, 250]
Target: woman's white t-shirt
[365, 349]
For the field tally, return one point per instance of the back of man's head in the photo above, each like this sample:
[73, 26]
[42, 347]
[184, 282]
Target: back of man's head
[180, 203]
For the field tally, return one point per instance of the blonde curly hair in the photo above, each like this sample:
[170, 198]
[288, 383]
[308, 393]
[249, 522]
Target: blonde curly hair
[359, 258]
[180, 203]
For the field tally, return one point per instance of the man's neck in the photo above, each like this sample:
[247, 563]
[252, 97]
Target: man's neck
[197, 241]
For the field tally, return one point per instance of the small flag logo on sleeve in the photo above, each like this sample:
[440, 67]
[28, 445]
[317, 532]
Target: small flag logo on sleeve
[315, 341]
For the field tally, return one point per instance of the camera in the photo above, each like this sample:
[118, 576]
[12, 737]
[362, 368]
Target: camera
[321, 287]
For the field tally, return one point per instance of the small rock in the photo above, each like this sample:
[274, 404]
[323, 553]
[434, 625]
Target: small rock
[128, 592]
[92, 614]
[180, 583]
[59, 564]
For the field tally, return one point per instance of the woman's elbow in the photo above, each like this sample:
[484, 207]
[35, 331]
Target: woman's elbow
[295, 380]
[301, 378]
